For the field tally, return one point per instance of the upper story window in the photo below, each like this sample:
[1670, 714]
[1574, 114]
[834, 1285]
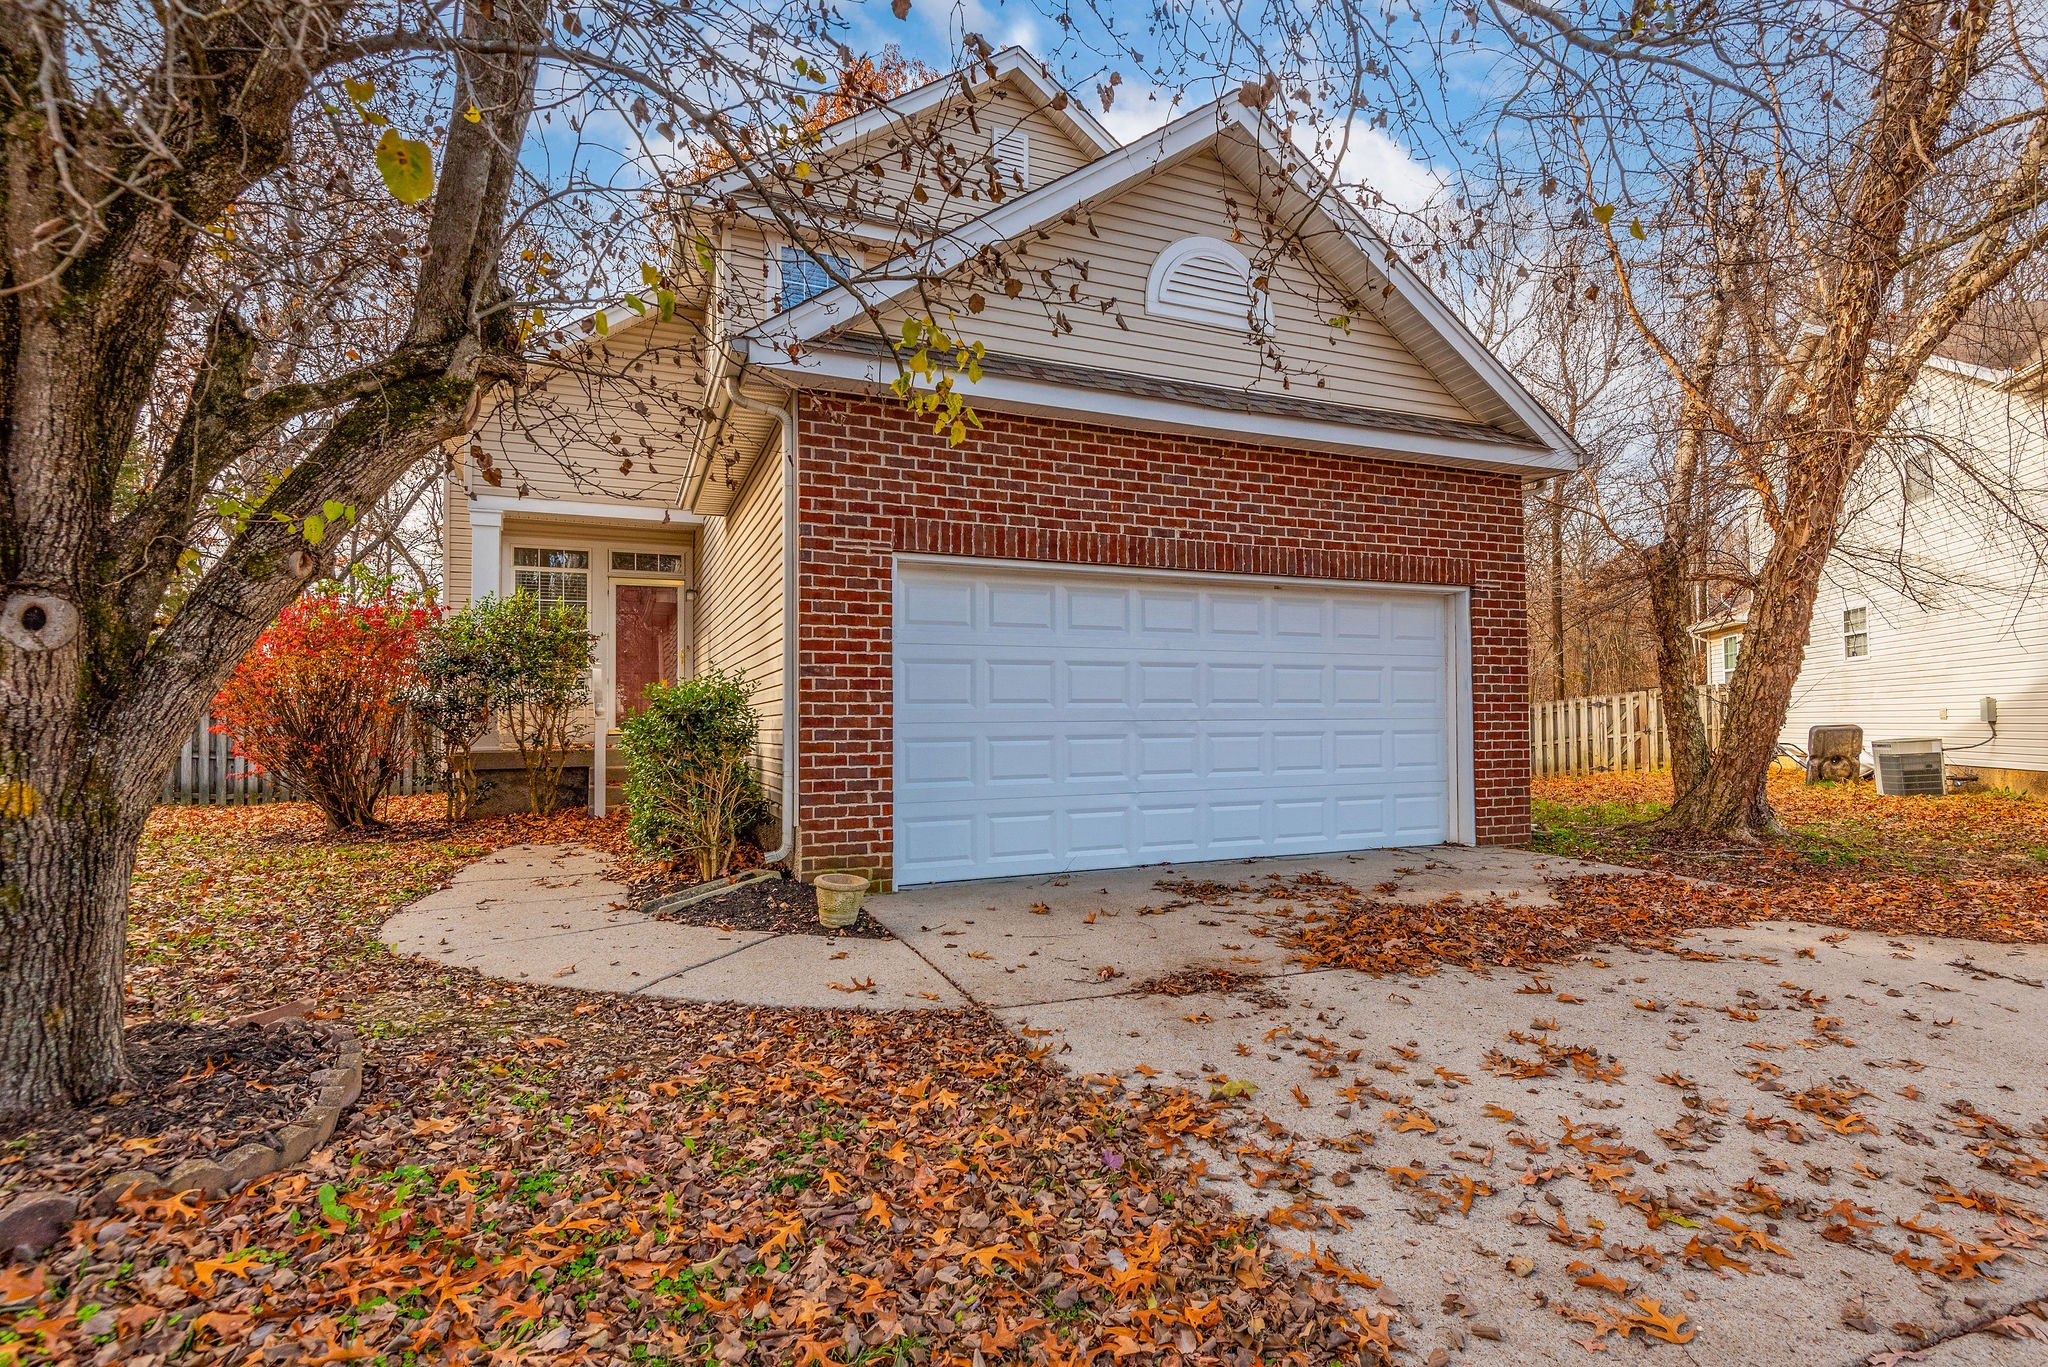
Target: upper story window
[1731, 650]
[1011, 152]
[1855, 633]
[1206, 280]
[802, 275]
[1918, 477]
[556, 578]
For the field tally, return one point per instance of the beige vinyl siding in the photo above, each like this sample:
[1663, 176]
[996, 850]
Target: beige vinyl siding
[1365, 366]
[1984, 632]
[739, 612]
[633, 397]
[455, 577]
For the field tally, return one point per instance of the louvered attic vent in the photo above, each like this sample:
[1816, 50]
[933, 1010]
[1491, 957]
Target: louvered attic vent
[1012, 154]
[1205, 280]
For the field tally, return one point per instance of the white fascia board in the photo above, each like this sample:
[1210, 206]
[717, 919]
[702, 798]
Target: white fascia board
[501, 504]
[841, 304]
[1010, 62]
[1040, 398]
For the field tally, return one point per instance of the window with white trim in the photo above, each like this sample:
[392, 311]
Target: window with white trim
[1918, 477]
[556, 578]
[1855, 633]
[1208, 281]
[646, 562]
[802, 275]
[1731, 651]
[1011, 152]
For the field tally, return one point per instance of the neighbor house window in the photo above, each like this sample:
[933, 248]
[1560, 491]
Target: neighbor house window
[1918, 478]
[804, 275]
[556, 578]
[1856, 633]
[646, 562]
[1731, 649]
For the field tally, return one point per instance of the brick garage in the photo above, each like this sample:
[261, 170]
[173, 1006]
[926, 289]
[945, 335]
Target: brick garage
[874, 482]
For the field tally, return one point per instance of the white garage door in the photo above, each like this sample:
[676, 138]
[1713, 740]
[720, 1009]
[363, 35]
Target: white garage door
[1056, 720]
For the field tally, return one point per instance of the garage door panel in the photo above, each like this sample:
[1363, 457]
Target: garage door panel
[1050, 721]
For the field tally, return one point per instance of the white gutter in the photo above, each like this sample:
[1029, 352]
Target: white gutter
[785, 420]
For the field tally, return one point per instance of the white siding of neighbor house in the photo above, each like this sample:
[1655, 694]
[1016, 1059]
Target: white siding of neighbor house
[739, 618]
[1985, 631]
[1364, 366]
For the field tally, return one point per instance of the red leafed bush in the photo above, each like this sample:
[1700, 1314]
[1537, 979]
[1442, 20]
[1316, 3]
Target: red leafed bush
[319, 700]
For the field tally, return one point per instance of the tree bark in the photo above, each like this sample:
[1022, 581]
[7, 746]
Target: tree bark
[1557, 642]
[100, 690]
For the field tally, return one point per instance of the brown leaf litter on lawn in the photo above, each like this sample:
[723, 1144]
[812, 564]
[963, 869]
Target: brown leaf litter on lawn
[536, 1173]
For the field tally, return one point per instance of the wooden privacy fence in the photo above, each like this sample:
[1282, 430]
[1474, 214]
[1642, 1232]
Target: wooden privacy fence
[208, 774]
[1607, 734]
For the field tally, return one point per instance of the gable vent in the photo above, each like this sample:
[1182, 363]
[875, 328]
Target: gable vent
[1011, 152]
[1205, 280]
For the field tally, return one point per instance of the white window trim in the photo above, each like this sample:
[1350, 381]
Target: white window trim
[1843, 633]
[1728, 663]
[776, 247]
[998, 144]
[1259, 303]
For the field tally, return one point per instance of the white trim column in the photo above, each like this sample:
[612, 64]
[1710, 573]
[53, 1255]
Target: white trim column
[486, 535]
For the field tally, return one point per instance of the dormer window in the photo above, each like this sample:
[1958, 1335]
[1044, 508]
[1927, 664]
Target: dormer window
[1206, 280]
[803, 275]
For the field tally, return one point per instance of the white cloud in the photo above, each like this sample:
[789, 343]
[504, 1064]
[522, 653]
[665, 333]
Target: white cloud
[1136, 110]
[1369, 158]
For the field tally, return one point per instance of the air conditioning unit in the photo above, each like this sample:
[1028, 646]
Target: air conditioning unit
[1909, 768]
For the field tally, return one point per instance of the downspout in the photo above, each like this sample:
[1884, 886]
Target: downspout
[785, 420]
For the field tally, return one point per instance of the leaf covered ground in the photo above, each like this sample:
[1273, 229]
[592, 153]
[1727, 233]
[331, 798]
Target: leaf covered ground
[1971, 865]
[536, 1174]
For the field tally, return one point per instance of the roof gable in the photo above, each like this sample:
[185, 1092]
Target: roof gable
[1463, 377]
[1012, 68]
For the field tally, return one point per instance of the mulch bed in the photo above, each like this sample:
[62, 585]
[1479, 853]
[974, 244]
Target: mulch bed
[198, 1090]
[781, 906]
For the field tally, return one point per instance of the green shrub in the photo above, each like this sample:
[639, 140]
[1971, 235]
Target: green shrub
[540, 683]
[452, 696]
[691, 788]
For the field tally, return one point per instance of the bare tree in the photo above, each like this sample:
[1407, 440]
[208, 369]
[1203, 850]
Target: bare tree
[264, 263]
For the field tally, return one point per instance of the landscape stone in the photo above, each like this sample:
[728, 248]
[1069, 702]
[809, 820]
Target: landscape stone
[34, 1220]
[250, 1162]
[199, 1174]
[108, 1199]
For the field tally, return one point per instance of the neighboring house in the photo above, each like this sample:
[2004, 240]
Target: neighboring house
[1934, 601]
[1172, 601]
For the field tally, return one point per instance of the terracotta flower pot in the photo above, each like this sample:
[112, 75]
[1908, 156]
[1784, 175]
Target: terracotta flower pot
[839, 898]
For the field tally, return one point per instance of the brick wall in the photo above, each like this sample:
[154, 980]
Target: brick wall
[874, 481]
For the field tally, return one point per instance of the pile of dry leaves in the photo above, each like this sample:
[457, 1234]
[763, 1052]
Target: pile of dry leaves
[540, 1174]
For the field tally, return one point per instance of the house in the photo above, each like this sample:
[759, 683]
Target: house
[1931, 621]
[1229, 562]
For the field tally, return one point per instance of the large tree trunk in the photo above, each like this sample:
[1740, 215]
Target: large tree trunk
[1731, 799]
[101, 676]
[60, 1024]
[1557, 643]
[1685, 729]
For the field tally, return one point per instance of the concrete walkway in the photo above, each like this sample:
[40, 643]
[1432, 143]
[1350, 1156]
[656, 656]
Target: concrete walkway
[547, 913]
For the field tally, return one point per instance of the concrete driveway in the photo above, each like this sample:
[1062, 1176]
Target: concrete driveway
[1780, 1146]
